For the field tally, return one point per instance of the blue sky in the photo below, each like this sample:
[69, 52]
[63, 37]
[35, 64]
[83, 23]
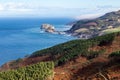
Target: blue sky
[57, 8]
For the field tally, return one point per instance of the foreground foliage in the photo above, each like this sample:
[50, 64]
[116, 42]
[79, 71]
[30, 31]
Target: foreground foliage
[40, 71]
[115, 54]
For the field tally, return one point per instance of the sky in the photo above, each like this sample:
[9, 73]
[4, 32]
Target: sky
[57, 8]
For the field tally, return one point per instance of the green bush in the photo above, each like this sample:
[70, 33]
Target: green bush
[38, 71]
[94, 54]
[115, 54]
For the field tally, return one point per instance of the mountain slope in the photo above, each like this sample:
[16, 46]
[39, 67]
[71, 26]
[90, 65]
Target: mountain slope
[90, 28]
[81, 68]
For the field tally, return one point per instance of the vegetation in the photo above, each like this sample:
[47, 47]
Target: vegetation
[38, 71]
[111, 30]
[64, 52]
[115, 54]
[17, 61]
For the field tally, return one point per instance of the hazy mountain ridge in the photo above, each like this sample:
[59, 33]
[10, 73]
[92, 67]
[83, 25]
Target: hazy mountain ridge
[90, 28]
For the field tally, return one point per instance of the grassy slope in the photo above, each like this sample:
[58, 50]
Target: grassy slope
[67, 51]
[107, 31]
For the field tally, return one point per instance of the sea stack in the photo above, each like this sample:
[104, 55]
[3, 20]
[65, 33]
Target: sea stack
[48, 28]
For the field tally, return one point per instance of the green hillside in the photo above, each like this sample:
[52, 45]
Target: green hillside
[64, 52]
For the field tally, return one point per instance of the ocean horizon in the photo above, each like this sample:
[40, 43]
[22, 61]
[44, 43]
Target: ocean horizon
[22, 36]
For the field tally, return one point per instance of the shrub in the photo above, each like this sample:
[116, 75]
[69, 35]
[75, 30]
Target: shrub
[115, 54]
[38, 71]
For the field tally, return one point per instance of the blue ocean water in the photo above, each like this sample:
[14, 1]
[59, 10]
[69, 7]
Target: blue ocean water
[22, 36]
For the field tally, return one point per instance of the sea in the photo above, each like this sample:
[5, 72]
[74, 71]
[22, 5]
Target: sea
[22, 36]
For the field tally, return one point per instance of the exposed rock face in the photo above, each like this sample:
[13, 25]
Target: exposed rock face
[48, 28]
[94, 27]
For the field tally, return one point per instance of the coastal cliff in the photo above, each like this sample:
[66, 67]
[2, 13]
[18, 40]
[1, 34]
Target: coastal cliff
[85, 29]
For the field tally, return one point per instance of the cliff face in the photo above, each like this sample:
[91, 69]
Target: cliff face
[95, 27]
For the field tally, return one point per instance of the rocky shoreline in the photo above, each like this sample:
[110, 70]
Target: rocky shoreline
[51, 29]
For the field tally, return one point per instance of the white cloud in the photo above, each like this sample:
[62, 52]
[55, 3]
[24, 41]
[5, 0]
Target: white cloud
[98, 11]
[20, 9]
[14, 7]
[88, 16]
[24, 9]
[1, 8]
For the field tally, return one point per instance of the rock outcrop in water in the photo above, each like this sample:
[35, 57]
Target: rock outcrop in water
[48, 28]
